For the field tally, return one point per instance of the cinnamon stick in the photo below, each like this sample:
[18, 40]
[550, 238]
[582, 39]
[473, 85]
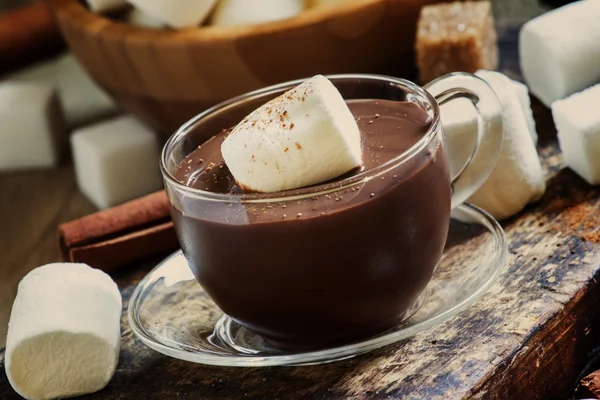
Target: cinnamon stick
[121, 235]
[27, 34]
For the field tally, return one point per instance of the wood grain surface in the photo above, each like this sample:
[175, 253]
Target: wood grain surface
[530, 337]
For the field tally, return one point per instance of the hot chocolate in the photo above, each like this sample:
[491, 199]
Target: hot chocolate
[327, 268]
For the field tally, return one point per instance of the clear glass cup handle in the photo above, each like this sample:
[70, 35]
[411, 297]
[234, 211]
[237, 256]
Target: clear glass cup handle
[489, 136]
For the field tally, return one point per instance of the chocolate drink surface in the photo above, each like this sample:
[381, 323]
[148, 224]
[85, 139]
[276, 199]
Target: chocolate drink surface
[330, 268]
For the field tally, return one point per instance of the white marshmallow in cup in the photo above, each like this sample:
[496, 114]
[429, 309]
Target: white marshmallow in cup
[244, 12]
[305, 136]
[64, 332]
[578, 124]
[560, 51]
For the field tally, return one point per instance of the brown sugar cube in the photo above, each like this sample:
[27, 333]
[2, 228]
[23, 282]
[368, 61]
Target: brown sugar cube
[458, 36]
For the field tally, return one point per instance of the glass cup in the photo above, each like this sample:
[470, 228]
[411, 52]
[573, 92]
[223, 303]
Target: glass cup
[356, 265]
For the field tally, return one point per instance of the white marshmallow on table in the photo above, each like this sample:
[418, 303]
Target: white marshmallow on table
[578, 123]
[560, 51]
[244, 12]
[523, 95]
[64, 332]
[82, 100]
[517, 178]
[176, 14]
[101, 6]
[116, 161]
[139, 18]
[460, 121]
[305, 136]
[32, 131]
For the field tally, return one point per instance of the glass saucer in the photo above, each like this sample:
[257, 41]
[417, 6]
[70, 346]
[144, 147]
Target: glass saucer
[171, 313]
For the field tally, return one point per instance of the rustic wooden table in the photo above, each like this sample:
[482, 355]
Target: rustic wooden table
[530, 337]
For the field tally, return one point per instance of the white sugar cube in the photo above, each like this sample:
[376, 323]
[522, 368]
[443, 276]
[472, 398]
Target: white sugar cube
[578, 123]
[82, 100]
[116, 161]
[32, 132]
[101, 6]
[64, 332]
[176, 14]
[560, 51]
[244, 12]
[460, 121]
[517, 178]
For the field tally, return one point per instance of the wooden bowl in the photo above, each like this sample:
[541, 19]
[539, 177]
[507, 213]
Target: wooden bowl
[165, 77]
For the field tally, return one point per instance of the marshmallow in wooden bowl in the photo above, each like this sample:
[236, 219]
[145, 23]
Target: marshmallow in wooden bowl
[244, 12]
[64, 332]
[319, 3]
[138, 17]
[305, 136]
[578, 124]
[176, 14]
[560, 51]
[102, 6]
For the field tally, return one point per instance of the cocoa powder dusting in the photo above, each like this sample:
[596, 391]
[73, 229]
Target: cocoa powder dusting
[576, 216]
